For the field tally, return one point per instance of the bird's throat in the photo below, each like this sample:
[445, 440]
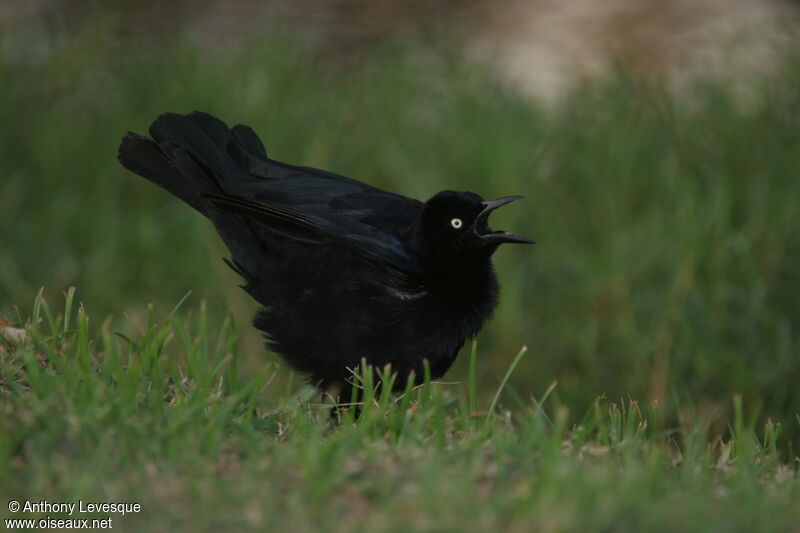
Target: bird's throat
[464, 279]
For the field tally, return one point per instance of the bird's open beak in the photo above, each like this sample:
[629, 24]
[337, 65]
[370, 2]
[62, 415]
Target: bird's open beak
[497, 237]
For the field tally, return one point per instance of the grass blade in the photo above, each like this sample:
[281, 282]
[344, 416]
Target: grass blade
[511, 368]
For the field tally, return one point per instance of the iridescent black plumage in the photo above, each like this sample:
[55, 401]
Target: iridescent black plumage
[344, 270]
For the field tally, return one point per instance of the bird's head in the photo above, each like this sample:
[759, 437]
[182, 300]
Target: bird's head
[456, 224]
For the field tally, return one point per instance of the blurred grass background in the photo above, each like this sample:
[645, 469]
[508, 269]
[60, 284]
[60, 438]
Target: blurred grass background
[668, 256]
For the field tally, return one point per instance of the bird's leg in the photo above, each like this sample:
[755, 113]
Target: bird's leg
[334, 390]
[344, 402]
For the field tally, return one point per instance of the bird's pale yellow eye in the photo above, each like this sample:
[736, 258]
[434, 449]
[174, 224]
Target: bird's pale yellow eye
[456, 223]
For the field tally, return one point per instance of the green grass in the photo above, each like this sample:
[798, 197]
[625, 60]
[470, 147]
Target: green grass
[157, 416]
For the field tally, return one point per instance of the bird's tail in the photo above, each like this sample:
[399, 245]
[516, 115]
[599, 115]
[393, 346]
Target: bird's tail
[192, 155]
[196, 155]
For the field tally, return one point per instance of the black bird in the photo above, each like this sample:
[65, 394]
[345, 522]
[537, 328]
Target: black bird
[344, 270]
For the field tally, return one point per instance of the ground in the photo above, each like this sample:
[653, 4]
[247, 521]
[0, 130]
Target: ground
[160, 419]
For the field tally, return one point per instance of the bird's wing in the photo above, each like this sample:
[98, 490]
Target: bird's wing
[200, 159]
[326, 198]
[238, 165]
[365, 240]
